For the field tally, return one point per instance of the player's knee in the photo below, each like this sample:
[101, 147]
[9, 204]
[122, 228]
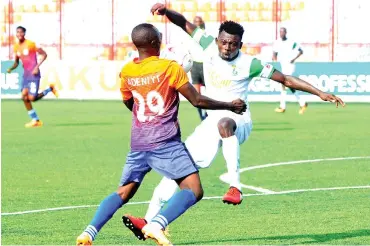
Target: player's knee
[198, 192]
[226, 127]
[31, 98]
[126, 192]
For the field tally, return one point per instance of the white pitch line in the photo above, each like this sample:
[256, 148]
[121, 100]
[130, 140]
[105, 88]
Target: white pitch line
[302, 162]
[259, 189]
[223, 177]
[204, 198]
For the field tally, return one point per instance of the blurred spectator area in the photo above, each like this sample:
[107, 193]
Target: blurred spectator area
[100, 30]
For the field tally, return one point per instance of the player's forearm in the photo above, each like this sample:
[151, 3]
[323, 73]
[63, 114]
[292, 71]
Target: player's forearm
[299, 84]
[299, 54]
[15, 65]
[179, 20]
[43, 58]
[204, 102]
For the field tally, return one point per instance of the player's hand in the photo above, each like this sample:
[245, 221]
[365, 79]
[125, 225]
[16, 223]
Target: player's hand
[9, 70]
[158, 8]
[239, 106]
[331, 98]
[36, 71]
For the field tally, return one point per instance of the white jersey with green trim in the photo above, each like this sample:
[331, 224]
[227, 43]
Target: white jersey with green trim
[228, 80]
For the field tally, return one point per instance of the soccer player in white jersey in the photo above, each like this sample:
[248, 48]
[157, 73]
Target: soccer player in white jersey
[287, 51]
[227, 73]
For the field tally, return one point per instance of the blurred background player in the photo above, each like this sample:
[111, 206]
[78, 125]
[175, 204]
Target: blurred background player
[227, 73]
[287, 51]
[26, 51]
[150, 88]
[197, 76]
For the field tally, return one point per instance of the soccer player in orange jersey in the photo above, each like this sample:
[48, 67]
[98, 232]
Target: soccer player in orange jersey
[150, 88]
[26, 51]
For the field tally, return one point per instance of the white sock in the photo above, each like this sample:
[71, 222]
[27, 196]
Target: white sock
[282, 99]
[299, 99]
[162, 193]
[230, 150]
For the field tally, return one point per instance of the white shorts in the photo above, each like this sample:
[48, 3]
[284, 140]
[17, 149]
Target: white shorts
[205, 141]
[287, 68]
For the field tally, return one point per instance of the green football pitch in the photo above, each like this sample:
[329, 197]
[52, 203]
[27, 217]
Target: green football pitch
[316, 190]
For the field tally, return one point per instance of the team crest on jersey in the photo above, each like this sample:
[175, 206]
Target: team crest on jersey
[235, 72]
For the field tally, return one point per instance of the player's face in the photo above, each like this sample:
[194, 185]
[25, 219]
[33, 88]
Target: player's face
[198, 21]
[20, 34]
[228, 45]
[282, 33]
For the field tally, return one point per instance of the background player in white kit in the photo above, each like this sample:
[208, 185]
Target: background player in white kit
[227, 73]
[287, 51]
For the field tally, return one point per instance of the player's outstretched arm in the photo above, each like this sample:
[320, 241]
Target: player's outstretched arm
[15, 65]
[199, 101]
[175, 17]
[299, 84]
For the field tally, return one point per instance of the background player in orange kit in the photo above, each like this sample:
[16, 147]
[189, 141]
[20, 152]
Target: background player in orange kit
[26, 51]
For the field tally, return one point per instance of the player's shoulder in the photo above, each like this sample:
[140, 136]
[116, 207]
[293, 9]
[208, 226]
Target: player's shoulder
[246, 60]
[30, 42]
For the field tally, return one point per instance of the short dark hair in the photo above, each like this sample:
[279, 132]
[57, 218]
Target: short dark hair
[143, 34]
[21, 27]
[231, 27]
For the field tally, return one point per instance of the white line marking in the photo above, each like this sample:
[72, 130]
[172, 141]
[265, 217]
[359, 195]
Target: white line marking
[204, 198]
[224, 177]
[259, 189]
[266, 193]
[302, 162]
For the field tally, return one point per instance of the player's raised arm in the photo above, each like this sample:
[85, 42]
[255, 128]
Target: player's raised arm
[175, 17]
[237, 106]
[15, 64]
[299, 84]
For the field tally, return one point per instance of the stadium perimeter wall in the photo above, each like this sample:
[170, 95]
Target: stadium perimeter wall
[99, 80]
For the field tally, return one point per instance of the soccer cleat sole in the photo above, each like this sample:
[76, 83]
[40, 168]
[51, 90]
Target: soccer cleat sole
[138, 233]
[233, 203]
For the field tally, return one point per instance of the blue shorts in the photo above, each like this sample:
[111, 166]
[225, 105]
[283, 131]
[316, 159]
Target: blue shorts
[171, 160]
[32, 85]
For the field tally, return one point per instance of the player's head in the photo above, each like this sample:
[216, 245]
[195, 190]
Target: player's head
[198, 21]
[229, 39]
[283, 33]
[147, 39]
[21, 32]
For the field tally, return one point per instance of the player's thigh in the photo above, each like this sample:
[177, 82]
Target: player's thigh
[204, 143]
[172, 160]
[133, 173]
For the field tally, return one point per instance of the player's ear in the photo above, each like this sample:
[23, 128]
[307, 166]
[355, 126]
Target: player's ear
[241, 45]
[155, 44]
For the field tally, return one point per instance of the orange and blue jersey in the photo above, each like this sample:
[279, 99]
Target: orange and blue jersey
[153, 84]
[27, 53]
